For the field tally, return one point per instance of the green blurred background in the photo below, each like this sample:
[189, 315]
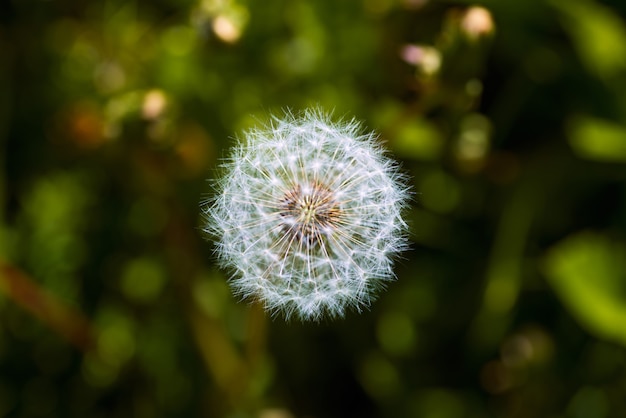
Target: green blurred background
[510, 116]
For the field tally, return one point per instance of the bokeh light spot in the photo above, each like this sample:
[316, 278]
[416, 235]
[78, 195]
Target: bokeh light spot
[439, 192]
[143, 280]
[396, 333]
[379, 376]
[179, 40]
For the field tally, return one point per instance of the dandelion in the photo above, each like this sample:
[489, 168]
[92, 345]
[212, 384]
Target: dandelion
[308, 216]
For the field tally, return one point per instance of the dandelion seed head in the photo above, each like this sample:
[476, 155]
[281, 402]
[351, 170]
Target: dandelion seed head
[308, 216]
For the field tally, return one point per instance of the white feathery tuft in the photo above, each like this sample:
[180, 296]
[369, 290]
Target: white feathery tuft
[308, 216]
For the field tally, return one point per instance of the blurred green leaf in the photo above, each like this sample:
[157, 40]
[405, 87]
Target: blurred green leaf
[55, 214]
[588, 273]
[598, 139]
[598, 33]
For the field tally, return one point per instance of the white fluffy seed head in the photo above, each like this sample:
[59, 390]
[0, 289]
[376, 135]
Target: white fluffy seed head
[308, 216]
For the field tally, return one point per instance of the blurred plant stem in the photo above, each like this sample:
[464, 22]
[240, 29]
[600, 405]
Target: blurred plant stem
[233, 373]
[25, 292]
[220, 356]
[505, 266]
[256, 333]
[234, 370]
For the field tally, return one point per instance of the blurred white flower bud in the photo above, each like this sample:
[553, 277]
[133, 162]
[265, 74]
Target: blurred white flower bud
[426, 58]
[477, 22]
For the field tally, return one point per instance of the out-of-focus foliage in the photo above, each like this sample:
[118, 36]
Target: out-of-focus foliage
[589, 273]
[598, 139]
[510, 116]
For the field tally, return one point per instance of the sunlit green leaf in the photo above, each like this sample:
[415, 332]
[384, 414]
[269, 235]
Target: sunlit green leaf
[598, 33]
[588, 273]
[598, 139]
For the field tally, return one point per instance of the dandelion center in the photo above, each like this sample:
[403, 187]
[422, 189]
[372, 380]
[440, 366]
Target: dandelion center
[309, 213]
